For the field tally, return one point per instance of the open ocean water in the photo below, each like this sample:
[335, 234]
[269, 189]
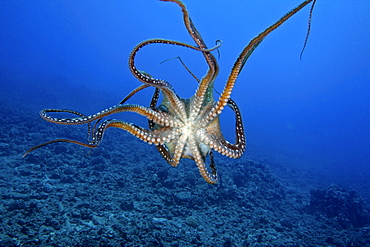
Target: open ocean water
[304, 179]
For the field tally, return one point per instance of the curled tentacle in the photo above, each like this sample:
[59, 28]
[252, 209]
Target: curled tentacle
[224, 147]
[152, 137]
[159, 117]
[240, 141]
[163, 85]
[146, 78]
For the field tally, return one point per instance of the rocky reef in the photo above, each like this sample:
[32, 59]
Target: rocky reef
[124, 194]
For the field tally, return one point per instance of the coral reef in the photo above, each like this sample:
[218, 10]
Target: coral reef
[343, 206]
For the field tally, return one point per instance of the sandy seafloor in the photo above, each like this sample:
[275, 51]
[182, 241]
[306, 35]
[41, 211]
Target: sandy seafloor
[125, 194]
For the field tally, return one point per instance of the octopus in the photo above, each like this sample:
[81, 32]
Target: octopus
[179, 128]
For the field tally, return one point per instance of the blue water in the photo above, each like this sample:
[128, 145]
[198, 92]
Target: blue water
[312, 113]
[308, 120]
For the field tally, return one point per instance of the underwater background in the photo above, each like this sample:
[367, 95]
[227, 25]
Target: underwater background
[303, 180]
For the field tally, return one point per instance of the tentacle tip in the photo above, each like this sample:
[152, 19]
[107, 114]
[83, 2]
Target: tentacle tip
[213, 181]
[28, 151]
[25, 154]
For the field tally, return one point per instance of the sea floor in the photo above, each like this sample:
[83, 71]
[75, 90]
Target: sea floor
[124, 194]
